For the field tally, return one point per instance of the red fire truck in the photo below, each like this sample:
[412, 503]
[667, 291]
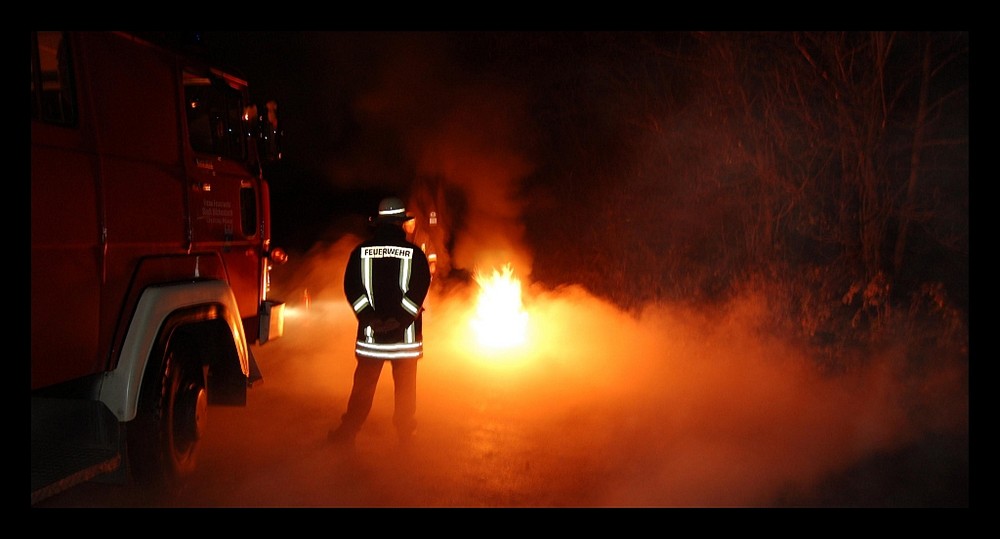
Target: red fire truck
[150, 253]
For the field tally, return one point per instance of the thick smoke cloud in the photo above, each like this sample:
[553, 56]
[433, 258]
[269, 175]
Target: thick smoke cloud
[467, 131]
[673, 407]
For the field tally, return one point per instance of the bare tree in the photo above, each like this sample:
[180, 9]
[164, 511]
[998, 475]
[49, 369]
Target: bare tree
[802, 157]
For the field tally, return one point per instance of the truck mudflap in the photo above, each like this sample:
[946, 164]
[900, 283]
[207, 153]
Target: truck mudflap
[255, 376]
[72, 442]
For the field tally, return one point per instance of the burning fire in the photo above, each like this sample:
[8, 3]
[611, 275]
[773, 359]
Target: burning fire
[500, 321]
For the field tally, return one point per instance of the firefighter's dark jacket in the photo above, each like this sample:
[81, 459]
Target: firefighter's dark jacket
[386, 281]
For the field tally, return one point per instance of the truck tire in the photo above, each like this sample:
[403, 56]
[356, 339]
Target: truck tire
[172, 418]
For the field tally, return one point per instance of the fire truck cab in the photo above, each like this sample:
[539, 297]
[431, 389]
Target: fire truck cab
[150, 256]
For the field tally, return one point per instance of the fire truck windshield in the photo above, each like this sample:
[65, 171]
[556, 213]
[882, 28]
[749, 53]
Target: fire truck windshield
[217, 117]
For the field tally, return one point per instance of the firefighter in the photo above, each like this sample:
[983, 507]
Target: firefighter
[419, 236]
[430, 230]
[386, 281]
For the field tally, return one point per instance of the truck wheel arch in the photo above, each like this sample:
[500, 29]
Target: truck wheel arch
[159, 312]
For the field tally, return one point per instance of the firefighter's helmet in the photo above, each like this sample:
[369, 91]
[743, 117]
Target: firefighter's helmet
[392, 210]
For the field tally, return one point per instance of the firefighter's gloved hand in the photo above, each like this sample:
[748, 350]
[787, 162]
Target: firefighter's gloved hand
[384, 326]
[390, 324]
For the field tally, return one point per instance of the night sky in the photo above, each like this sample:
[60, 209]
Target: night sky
[499, 115]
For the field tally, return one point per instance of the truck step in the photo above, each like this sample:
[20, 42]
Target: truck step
[72, 442]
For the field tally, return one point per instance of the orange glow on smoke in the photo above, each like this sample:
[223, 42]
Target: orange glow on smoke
[500, 321]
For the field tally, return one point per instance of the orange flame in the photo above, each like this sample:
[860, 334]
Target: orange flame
[500, 321]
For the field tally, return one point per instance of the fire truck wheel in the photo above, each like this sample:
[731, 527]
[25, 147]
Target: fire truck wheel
[173, 420]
